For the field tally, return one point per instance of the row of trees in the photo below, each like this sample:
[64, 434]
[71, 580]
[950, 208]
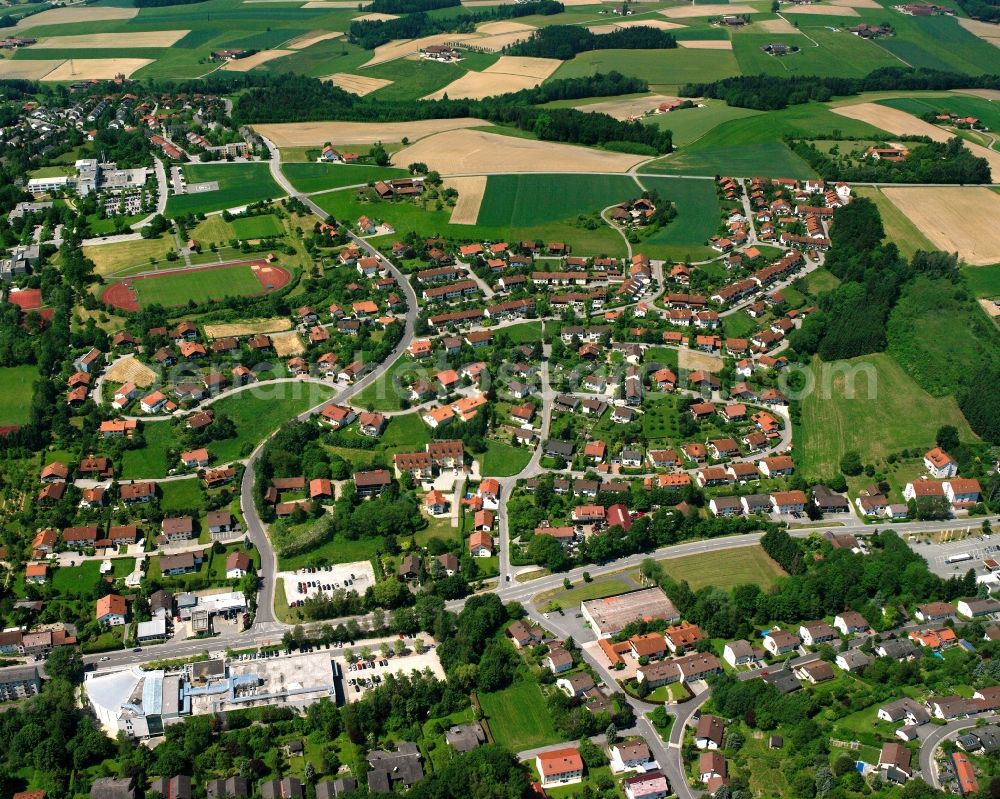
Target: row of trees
[769, 93]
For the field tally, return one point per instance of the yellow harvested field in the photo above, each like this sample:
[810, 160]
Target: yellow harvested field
[991, 308]
[780, 25]
[855, 3]
[493, 28]
[27, 70]
[375, 16]
[713, 10]
[986, 94]
[309, 39]
[903, 124]
[693, 360]
[110, 41]
[286, 344]
[476, 152]
[131, 370]
[539, 68]
[470, 197]
[309, 134]
[255, 60]
[357, 84]
[69, 16]
[826, 11]
[508, 74]
[706, 44]
[251, 328]
[984, 30]
[956, 219]
[401, 48]
[499, 41]
[97, 68]
[659, 24]
[627, 109]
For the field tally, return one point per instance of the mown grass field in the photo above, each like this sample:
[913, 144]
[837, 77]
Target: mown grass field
[983, 281]
[518, 718]
[78, 581]
[151, 461]
[885, 412]
[111, 258]
[691, 124]
[16, 387]
[697, 219]
[181, 494]
[257, 227]
[725, 568]
[583, 592]
[935, 42]
[528, 200]
[239, 184]
[177, 288]
[838, 54]
[310, 177]
[503, 460]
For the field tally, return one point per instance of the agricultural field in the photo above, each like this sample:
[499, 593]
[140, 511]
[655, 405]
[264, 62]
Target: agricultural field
[690, 124]
[907, 236]
[239, 184]
[852, 398]
[312, 177]
[528, 200]
[666, 70]
[822, 52]
[16, 386]
[725, 568]
[959, 104]
[257, 227]
[696, 221]
[983, 281]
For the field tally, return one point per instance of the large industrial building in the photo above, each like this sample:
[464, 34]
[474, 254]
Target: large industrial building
[611, 615]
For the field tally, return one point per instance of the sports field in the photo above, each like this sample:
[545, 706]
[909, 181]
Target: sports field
[520, 200]
[16, 386]
[725, 568]
[885, 412]
[517, 717]
[257, 227]
[111, 258]
[239, 184]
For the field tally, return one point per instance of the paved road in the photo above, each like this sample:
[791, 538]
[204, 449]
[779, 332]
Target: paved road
[930, 743]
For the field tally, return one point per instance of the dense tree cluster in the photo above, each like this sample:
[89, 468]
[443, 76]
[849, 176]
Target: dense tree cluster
[296, 98]
[161, 3]
[409, 6]
[565, 41]
[930, 162]
[980, 402]
[769, 93]
[986, 10]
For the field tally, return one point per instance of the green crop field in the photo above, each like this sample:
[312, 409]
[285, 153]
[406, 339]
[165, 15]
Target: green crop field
[16, 387]
[257, 227]
[959, 104]
[753, 145]
[870, 405]
[697, 219]
[523, 200]
[310, 177]
[691, 124]
[503, 460]
[839, 53]
[983, 281]
[177, 288]
[935, 42]
[259, 411]
[518, 717]
[239, 184]
[725, 568]
[662, 68]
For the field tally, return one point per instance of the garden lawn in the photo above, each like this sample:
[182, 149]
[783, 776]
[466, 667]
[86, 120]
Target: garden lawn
[584, 592]
[312, 177]
[181, 494]
[150, 462]
[16, 388]
[524, 333]
[337, 550]
[725, 568]
[239, 184]
[660, 418]
[696, 221]
[78, 581]
[259, 411]
[503, 460]
[174, 289]
[521, 200]
[880, 416]
[257, 227]
[387, 392]
[518, 716]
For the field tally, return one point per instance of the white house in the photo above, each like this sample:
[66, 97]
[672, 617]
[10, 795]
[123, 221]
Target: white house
[738, 653]
[940, 464]
[778, 642]
[850, 622]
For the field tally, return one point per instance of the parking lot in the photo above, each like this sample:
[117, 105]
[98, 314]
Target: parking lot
[309, 582]
[978, 547]
[363, 675]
